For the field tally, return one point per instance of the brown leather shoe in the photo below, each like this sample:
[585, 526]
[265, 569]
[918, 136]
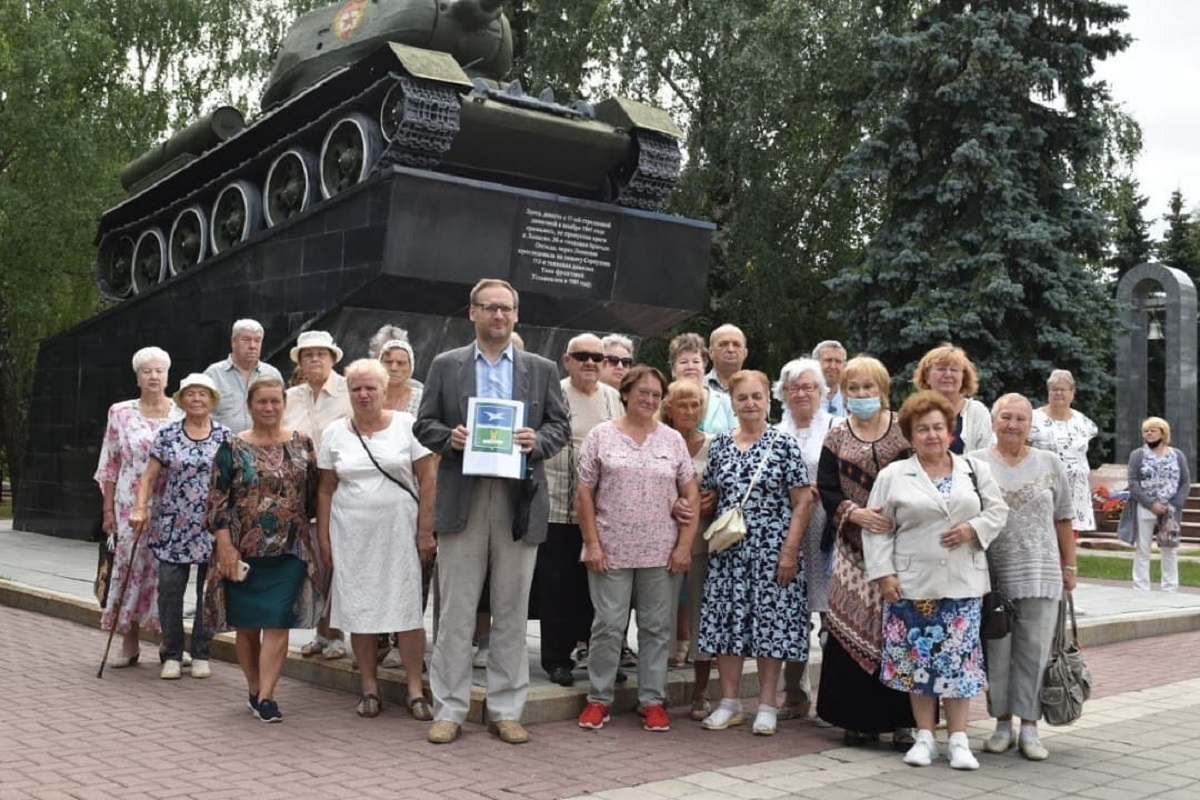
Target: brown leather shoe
[509, 730]
[444, 731]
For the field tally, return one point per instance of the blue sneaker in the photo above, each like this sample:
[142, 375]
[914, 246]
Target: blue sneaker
[268, 711]
[252, 702]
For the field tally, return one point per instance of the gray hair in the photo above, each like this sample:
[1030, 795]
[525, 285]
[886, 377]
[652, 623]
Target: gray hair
[827, 345]
[150, 354]
[398, 344]
[246, 326]
[385, 335]
[1061, 376]
[1011, 397]
[617, 340]
[728, 327]
[366, 368]
[575, 340]
[793, 370]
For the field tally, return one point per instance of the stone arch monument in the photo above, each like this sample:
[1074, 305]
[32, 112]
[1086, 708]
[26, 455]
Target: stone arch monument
[1179, 330]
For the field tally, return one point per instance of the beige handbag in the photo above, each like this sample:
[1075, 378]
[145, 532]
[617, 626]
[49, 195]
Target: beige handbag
[729, 528]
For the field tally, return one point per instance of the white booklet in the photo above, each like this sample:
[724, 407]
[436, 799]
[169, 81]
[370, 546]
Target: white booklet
[492, 450]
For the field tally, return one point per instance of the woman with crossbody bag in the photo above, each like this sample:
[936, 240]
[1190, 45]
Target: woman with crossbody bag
[375, 523]
[755, 597]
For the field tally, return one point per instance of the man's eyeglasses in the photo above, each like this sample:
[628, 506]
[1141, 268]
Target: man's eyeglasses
[495, 308]
[580, 355]
[614, 360]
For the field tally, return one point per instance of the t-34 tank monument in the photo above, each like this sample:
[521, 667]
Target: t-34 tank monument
[390, 169]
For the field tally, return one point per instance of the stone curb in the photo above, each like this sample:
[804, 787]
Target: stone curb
[546, 703]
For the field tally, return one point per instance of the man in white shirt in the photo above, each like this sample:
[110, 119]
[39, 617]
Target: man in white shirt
[234, 375]
[560, 581]
[727, 349]
[832, 357]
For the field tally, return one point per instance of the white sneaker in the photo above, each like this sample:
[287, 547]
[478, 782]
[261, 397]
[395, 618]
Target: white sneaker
[960, 753]
[171, 670]
[923, 751]
[201, 668]
[1000, 741]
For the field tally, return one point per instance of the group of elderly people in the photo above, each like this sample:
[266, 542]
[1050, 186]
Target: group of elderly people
[316, 504]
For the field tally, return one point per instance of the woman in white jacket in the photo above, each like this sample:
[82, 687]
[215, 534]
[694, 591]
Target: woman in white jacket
[932, 571]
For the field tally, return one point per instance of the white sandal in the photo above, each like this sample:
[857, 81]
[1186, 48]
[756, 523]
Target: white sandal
[765, 721]
[315, 647]
[727, 714]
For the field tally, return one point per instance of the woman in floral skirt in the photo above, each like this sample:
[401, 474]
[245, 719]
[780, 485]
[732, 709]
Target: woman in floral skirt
[932, 571]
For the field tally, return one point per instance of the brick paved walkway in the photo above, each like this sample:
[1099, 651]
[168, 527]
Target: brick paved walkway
[65, 734]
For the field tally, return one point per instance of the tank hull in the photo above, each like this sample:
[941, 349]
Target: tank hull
[404, 247]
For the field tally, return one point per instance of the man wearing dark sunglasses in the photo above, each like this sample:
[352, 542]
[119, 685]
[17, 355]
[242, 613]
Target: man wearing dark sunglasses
[560, 584]
[618, 358]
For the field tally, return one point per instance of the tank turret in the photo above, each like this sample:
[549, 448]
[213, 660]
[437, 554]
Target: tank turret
[360, 87]
[474, 32]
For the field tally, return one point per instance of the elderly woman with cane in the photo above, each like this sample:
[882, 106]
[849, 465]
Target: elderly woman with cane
[128, 440]
[266, 577]
[179, 537]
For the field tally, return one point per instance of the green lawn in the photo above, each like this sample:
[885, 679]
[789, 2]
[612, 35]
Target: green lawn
[1120, 569]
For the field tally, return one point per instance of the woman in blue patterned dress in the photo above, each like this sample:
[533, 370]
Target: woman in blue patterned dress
[932, 571]
[179, 537]
[755, 596]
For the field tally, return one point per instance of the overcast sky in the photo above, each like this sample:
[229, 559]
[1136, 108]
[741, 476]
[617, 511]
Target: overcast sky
[1158, 81]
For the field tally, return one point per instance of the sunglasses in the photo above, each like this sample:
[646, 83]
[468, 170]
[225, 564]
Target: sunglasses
[614, 360]
[595, 358]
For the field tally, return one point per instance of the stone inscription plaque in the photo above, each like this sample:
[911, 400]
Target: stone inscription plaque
[567, 250]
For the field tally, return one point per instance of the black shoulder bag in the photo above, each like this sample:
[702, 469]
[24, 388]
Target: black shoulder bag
[998, 611]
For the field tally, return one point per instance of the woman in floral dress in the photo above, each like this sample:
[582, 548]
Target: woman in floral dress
[128, 439]
[1066, 432]
[179, 537]
[755, 596]
[932, 571]
[263, 494]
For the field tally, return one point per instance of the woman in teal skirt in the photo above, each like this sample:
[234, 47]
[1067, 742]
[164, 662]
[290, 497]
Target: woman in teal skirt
[262, 497]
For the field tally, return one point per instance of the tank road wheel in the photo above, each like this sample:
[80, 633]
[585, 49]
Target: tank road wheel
[391, 113]
[114, 264]
[236, 214]
[149, 260]
[349, 151]
[188, 240]
[290, 187]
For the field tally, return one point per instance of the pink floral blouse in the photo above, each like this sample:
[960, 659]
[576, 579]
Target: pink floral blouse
[636, 486]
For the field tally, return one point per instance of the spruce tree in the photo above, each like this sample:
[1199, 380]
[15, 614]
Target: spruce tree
[990, 115]
[1178, 248]
[1131, 233]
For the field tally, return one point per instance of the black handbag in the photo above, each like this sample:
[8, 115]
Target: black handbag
[998, 615]
[998, 612]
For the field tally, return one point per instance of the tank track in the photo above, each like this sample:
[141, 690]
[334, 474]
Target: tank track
[427, 129]
[655, 174]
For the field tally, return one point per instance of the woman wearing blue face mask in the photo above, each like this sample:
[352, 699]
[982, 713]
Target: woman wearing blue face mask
[851, 695]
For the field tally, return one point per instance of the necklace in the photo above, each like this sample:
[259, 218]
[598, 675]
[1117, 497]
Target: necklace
[271, 460]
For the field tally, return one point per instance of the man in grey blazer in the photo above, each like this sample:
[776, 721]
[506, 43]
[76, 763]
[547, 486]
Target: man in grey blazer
[473, 515]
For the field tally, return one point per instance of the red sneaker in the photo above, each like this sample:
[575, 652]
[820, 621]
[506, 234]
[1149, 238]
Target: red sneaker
[655, 718]
[593, 716]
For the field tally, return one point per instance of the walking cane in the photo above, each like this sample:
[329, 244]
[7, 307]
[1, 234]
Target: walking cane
[120, 601]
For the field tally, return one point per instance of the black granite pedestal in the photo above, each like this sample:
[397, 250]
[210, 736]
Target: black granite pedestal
[404, 248]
